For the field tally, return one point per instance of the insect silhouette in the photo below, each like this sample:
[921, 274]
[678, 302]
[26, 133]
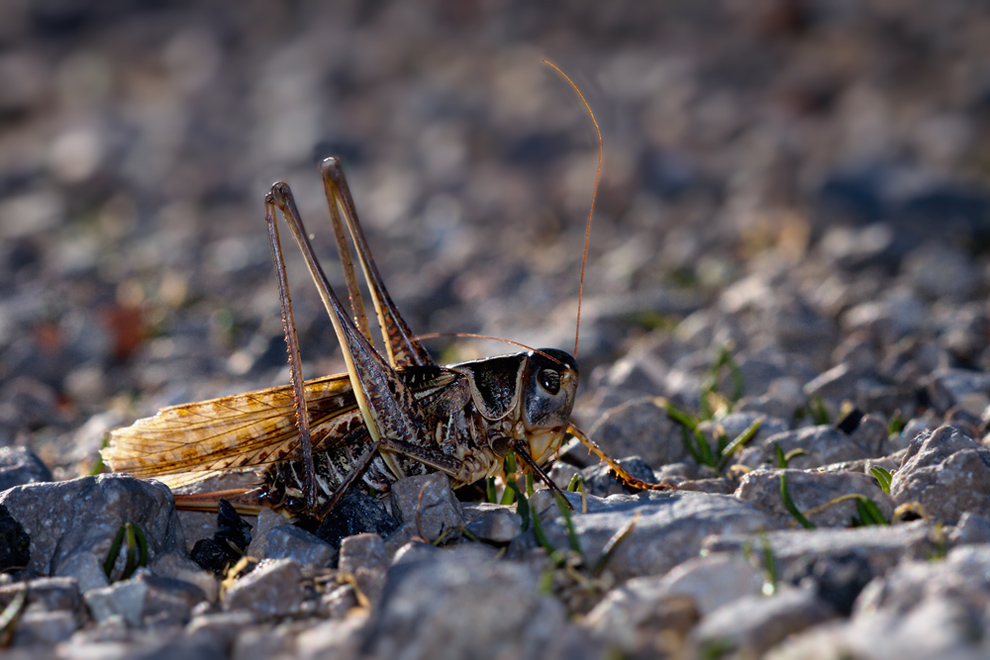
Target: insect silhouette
[390, 416]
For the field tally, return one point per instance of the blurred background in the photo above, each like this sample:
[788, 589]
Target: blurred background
[137, 141]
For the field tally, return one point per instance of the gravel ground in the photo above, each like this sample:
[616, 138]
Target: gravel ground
[800, 184]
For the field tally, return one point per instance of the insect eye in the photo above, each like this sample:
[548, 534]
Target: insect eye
[549, 380]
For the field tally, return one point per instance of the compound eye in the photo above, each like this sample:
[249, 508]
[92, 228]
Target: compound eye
[549, 380]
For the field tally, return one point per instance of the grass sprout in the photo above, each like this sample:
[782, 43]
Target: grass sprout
[132, 540]
[883, 476]
[789, 503]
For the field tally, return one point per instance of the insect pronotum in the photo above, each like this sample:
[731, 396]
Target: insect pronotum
[389, 416]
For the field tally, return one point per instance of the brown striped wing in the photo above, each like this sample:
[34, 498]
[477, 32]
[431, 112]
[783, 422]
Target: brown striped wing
[246, 430]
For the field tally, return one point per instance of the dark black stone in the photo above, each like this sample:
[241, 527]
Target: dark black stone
[357, 513]
[231, 528]
[850, 421]
[229, 542]
[15, 544]
[213, 555]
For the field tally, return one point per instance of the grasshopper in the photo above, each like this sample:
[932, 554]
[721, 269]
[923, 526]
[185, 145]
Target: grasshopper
[388, 417]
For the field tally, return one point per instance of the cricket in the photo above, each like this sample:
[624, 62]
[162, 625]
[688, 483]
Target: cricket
[390, 416]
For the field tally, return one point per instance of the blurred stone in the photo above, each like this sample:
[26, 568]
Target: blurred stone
[752, 625]
[937, 628]
[362, 551]
[856, 248]
[870, 435]
[941, 272]
[332, 639]
[221, 627]
[44, 628]
[266, 521]
[881, 547]
[47, 594]
[718, 486]
[432, 609]
[426, 505]
[145, 596]
[972, 529]
[19, 466]
[634, 619]
[837, 383]
[960, 387]
[24, 77]
[810, 490]
[640, 427]
[767, 406]
[363, 557]
[339, 602]
[264, 642]
[964, 573]
[178, 567]
[837, 579]
[290, 542]
[493, 523]
[274, 588]
[667, 529]
[734, 424]
[947, 472]
[70, 520]
[823, 445]
[968, 333]
[710, 582]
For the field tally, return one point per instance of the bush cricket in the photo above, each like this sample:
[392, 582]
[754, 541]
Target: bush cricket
[389, 416]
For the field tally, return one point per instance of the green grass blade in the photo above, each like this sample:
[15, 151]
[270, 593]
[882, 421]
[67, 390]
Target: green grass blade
[612, 545]
[681, 417]
[509, 494]
[770, 565]
[779, 455]
[572, 537]
[689, 444]
[707, 457]
[882, 475]
[510, 463]
[694, 439]
[10, 615]
[735, 373]
[789, 503]
[114, 552]
[523, 507]
[555, 555]
[739, 442]
[819, 414]
[896, 423]
[98, 465]
[869, 512]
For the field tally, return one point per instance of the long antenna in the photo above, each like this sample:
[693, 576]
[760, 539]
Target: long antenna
[594, 193]
[472, 335]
